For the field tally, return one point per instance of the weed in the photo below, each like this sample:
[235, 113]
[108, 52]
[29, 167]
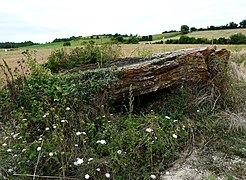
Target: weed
[90, 53]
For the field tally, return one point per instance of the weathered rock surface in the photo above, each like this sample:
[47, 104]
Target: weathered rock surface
[161, 71]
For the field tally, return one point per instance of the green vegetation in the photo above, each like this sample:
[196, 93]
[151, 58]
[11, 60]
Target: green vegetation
[184, 29]
[90, 53]
[67, 44]
[66, 125]
[234, 39]
[7, 45]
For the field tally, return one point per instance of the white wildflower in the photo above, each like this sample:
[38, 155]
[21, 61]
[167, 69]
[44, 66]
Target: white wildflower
[103, 116]
[90, 159]
[167, 117]
[54, 126]
[63, 120]
[40, 139]
[23, 150]
[24, 119]
[149, 130]
[87, 176]
[98, 169]
[175, 136]
[15, 135]
[47, 129]
[15, 155]
[152, 176]
[175, 120]
[119, 152]
[45, 115]
[78, 133]
[107, 175]
[51, 154]
[76, 145]
[39, 148]
[78, 162]
[10, 170]
[102, 141]
[9, 150]
[4, 144]
[198, 110]
[84, 133]
[68, 109]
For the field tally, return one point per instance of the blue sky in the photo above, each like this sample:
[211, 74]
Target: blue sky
[44, 20]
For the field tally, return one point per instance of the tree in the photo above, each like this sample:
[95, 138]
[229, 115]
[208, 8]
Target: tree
[233, 25]
[184, 29]
[133, 40]
[243, 23]
[193, 29]
[150, 38]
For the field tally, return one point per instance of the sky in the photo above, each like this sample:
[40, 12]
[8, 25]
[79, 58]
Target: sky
[42, 21]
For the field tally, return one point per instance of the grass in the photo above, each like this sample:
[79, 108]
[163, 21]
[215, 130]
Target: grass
[214, 34]
[165, 35]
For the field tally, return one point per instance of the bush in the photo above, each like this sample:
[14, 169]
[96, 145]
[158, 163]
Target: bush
[90, 53]
[67, 44]
[238, 39]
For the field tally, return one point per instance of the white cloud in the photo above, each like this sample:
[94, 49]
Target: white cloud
[45, 20]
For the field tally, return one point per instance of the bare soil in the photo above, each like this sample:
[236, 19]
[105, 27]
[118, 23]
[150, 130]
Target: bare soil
[199, 166]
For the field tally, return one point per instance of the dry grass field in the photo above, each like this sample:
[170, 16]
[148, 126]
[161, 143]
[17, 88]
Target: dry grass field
[128, 50]
[226, 33]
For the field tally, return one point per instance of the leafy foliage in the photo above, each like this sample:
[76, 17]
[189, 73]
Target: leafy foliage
[90, 53]
[67, 43]
[184, 29]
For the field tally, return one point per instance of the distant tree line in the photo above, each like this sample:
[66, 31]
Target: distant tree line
[232, 25]
[146, 38]
[7, 45]
[67, 39]
[169, 31]
[132, 39]
[234, 39]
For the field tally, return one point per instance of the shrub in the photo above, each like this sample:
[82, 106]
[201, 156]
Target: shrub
[90, 53]
[67, 44]
[238, 39]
